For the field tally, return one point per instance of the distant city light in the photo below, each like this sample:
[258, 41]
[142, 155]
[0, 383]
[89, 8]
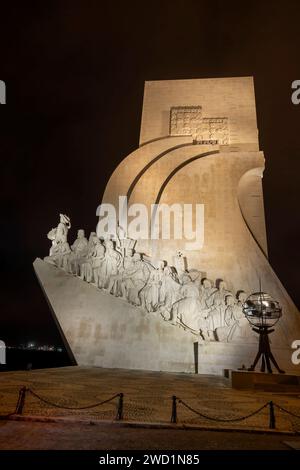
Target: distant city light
[33, 346]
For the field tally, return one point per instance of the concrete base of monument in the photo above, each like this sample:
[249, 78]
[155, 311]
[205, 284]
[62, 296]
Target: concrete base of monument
[104, 331]
[216, 357]
[241, 379]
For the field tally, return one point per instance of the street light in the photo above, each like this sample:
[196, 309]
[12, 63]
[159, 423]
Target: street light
[263, 312]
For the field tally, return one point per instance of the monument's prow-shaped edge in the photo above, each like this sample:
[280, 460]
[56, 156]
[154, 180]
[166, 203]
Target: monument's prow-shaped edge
[198, 145]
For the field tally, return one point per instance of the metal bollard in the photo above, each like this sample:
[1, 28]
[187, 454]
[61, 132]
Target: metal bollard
[21, 401]
[174, 409]
[120, 407]
[272, 422]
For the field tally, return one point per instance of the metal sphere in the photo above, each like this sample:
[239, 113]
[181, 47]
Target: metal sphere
[262, 310]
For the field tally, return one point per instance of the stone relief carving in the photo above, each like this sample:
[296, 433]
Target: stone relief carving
[59, 234]
[188, 120]
[179, 296]
[60, 250]
[78, 252]
[185, 120]
[215, 129]
[86, 272]
[151, 294]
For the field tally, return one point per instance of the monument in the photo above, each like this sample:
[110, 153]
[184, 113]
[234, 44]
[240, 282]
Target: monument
[174, 303]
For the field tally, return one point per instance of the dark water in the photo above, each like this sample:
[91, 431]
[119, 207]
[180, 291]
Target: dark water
[23, 359]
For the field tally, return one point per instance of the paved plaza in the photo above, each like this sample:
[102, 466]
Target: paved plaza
[147, 400]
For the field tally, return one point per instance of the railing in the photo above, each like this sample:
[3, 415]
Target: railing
[24, 390]
[175, 403]
[270, 404]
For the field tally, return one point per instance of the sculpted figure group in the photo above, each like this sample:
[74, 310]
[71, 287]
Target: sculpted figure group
[181, 297]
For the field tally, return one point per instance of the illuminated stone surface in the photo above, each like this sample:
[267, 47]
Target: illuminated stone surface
[216, 161]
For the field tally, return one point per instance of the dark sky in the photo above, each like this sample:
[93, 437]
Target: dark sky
[75, 71]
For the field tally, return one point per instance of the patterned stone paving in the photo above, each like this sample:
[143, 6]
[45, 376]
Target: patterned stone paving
[147, 396]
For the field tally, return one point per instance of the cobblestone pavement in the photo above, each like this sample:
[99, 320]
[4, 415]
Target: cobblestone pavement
[147, 396]
[42, 436]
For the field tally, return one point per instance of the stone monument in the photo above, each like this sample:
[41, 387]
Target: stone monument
[166, 303]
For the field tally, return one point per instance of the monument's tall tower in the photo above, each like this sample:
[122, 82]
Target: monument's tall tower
[198, 145]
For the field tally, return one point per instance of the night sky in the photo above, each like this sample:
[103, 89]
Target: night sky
[75, 71]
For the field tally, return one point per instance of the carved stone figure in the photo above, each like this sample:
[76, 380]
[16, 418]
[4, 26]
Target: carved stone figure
[180, 265]
[97, 259]
[170, 288]
[86, 271]
[51, 236]
[79, 252]
[151, 295]
[135, 280]
[237, 326]
[115, 282]
[60, 250]
[60, 256]
[187, 310]
[206, 290]
[241, 297]
[124, 244]
[110, 264]
[223, 329]
[64, 254]
[62, 228]
[216, 315]
[58, 236]
[218, 294]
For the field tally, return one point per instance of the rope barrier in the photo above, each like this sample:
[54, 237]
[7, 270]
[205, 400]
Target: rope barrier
[174, 417]
[223, 420]
[48, 402]
[286, 411]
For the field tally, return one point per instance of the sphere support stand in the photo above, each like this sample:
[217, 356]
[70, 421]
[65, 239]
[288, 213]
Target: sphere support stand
[264, 351]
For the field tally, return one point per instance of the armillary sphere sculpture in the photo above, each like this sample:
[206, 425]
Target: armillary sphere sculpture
[263, 312]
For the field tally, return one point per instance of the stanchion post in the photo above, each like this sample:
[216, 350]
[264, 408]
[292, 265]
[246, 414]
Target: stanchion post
[272, 423]
[21, 401]
[174, 409]
[120, 407]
